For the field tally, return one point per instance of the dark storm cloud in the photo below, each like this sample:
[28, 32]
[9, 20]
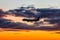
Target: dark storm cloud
[4, 23]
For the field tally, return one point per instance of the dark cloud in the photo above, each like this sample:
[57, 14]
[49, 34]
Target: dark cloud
[4, 23]
[41, 13]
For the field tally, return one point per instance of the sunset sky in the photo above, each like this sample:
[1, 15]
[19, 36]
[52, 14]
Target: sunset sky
[11, 4]
[10, 21]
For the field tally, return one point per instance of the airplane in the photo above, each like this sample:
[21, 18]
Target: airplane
[53, 18]
[38, 14]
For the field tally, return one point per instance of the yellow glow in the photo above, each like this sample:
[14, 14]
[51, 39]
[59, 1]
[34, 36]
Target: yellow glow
[17, 19]
[29, 35]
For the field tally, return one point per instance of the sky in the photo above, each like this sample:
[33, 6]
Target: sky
[12, 4]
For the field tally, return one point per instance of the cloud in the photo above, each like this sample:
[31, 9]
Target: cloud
[4, 23]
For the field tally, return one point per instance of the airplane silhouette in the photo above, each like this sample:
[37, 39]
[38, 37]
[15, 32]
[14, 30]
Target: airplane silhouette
[32, 20]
